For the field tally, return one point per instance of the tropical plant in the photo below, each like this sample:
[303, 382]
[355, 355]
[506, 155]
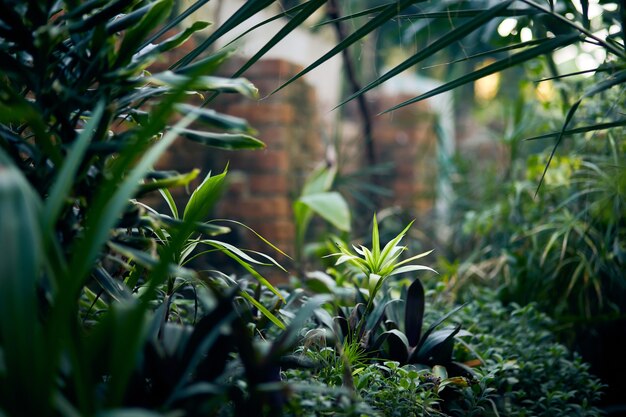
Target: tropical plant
[376, 266]
[92, 278]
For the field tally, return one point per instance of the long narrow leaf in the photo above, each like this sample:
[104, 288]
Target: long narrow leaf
[513, 60]
[263, 310]
[310, 7]
[249, 9]
[451, 37]
[65, 178]
[618, 78]
[582, 129]
[383, 17]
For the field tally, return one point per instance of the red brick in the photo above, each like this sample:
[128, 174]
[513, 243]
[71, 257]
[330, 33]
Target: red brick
[277, 231]
[275, 136]
[270, 160]
[273, 68]
[269, 184]
[264, 208]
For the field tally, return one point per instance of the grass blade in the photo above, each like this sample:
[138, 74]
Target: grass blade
[582, 129]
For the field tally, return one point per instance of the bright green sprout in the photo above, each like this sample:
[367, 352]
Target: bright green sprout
[379, 264]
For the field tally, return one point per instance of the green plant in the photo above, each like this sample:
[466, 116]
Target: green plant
[317, 198]
[407, 344]
[377, 265]
[522, 365]
[94, 281]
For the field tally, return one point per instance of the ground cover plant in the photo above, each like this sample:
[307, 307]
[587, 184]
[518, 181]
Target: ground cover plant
[102, 313]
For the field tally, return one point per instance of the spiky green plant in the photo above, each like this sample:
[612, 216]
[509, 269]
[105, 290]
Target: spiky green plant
[379, 264]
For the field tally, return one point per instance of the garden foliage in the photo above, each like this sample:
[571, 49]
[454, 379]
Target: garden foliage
[101, 311]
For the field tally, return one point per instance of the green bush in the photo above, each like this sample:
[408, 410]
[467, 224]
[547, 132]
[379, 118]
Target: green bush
[518, 369]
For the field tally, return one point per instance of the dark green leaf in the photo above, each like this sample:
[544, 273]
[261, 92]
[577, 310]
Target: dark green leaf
[516, 59]
[204, 197]
[294, 21]
[451, 37]
[414, 312]
[381, 18]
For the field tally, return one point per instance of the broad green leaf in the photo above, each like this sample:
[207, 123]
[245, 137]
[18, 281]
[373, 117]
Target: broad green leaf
[321, 180]
[21, 266]
[451, 37]
[230, 141]
[331, 206]
[204, 197]
[114, 288]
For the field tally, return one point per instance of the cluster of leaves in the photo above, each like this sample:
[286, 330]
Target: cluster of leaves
[96, 298]
[518, 369]
[565, 250]
[529, 370]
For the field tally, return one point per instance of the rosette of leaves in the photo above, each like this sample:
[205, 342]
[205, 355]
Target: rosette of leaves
[407, 342]
[379, 264]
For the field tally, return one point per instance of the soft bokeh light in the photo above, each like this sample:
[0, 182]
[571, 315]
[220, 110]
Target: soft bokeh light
[507, 26]
[545, 91]
[526, 35]
[486, 88]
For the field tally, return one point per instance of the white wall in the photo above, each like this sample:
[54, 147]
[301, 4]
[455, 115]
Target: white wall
[301, 47]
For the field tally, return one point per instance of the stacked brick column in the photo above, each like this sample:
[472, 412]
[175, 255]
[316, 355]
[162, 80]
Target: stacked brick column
[405, 138]
[264, 183]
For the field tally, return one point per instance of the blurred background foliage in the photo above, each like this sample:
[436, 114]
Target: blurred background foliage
[102, 315]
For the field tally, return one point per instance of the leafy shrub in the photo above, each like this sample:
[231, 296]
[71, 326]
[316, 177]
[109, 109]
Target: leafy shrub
[518, 369]
[529, 371]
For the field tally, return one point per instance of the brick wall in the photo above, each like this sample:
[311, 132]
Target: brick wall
[264, 183]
